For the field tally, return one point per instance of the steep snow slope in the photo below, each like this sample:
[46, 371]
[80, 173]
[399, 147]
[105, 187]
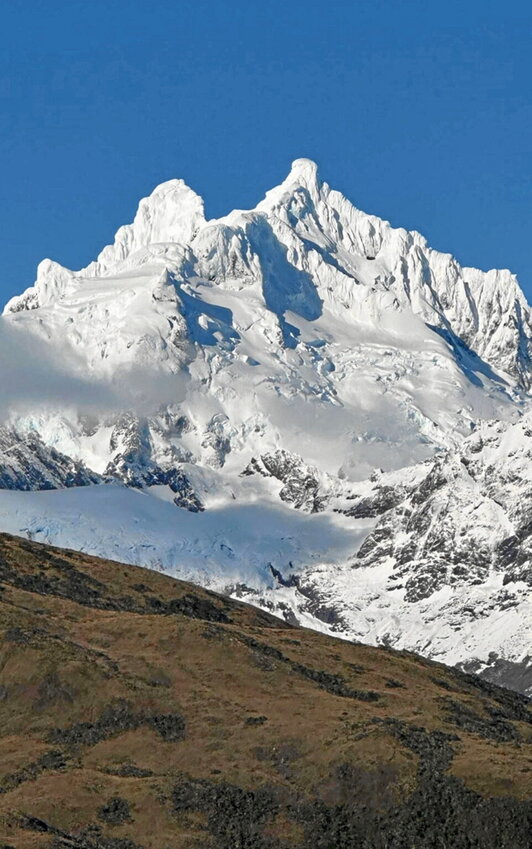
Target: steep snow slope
[301, 356]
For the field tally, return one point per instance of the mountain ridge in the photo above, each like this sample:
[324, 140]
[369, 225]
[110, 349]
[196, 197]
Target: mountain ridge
[174, 213]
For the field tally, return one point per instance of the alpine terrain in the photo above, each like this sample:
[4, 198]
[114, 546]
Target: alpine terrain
[297, 405]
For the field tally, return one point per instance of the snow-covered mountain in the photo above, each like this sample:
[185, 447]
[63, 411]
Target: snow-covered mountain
[304, 406]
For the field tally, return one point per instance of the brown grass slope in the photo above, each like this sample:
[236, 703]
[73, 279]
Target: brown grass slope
[140, 711]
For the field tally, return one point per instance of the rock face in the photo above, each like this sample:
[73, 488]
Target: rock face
[314, 409]
[112, 675]
[26, 463]
[133, 462]
[470, 516]
[301, 484]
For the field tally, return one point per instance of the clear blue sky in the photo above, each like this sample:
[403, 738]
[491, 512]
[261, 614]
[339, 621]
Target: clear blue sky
[420, 112]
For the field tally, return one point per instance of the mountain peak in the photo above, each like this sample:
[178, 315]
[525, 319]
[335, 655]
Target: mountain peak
[173, 212]
[266, 365]
[177, 190]
[305, 170]
[302, 175]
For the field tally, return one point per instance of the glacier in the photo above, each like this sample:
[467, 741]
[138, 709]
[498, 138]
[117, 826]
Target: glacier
[299, 405]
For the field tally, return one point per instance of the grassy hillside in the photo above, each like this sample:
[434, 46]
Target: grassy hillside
[140, 712]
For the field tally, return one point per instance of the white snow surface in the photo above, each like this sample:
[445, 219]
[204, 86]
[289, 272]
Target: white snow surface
[339, 362]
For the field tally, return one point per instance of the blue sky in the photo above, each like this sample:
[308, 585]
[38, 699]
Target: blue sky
[420, 112]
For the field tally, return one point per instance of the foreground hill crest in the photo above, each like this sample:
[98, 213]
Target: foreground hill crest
[137, 711]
